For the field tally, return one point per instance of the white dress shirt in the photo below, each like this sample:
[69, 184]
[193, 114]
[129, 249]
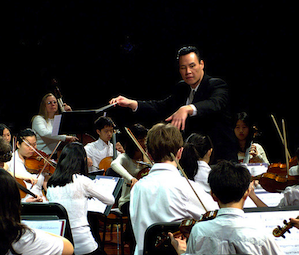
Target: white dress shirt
[230, 233]
[164, 196]
[290, 196]
[44, 139]
[202, 175]
[97, 151]
[73, 196]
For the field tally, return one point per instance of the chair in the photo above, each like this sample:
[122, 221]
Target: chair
[154, 234]
[115, 217]
[47, 211]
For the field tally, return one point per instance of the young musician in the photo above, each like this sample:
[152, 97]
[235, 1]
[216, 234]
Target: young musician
[70, 186]
[198, 103]
[126, 165]
[229, 232]
[196, 157]
[5, 132]
[26, 141]
[249, 152]
[164, 195]
[42, 124]
[17, 238]
[102, 148]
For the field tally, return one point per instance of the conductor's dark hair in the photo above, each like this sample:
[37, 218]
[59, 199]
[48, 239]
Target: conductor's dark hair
[73, 160]
[196, 147]
[187, 50]
[102, 122]
[229, 181]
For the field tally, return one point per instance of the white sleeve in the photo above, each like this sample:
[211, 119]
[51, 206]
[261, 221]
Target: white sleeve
[38, 242]
[39, 125]
[117, 166]
[96, 191]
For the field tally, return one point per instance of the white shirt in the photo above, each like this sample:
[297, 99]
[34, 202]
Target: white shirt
[261, 154]
[44, 139]
[164, 196]
[73, 196]
[97, 151]
[40, 244]
[20, 170]
[290, 196]
[202, 175]
[125, 166]
[230, 233]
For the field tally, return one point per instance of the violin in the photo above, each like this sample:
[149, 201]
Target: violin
[23, 189]
[277, 177]
[145, 170]
[185, 227]
[280, 231]
[37, 162]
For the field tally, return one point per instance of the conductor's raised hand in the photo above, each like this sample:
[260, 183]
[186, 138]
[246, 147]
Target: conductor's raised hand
[178, 119]
[124, 102]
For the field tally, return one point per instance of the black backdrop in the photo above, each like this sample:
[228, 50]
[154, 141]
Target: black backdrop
[100, 49]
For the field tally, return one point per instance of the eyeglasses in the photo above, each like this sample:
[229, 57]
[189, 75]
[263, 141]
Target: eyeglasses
[52, 102]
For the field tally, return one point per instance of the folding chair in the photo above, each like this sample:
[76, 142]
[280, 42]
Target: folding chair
[153, 236]
[47, 211]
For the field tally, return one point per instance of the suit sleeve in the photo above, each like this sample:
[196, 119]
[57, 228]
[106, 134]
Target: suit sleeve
[217, 98]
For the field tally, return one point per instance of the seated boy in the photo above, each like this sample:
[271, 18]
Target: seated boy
[164, 195]
[102, 148]
[229, 232]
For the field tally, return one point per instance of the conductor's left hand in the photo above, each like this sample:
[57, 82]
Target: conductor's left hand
[178, 119]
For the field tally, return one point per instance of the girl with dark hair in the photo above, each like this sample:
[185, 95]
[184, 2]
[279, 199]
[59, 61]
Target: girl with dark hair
[5, 132]
[126, 165]
[26, 141]
[70, 187]
[196, 157]
[17, 238]
[249, 152]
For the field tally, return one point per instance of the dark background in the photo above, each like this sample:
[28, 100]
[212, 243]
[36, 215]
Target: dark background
[99, 49]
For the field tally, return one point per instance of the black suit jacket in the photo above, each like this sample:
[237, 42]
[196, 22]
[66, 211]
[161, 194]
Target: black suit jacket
[213, 113]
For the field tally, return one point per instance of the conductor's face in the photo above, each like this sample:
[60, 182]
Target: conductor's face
[191, 69]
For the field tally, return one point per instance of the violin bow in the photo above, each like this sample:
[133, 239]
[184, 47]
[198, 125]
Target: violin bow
[129, 132]
[285, 146]
[36, 151]
[280, 135]
[14, 170]
[183, 172]
[47, 162]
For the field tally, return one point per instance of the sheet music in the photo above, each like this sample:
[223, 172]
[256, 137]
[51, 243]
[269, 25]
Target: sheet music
[56, 124]
[270, 220]
[108, 183]
[56, 227]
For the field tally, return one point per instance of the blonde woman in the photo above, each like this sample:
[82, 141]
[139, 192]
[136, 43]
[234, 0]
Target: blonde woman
[42, 124]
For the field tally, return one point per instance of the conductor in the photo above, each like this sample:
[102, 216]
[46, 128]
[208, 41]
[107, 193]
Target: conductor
[198, 104]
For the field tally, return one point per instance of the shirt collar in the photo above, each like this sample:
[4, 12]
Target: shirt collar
[231, 211]
[101, 143]
[164, 167]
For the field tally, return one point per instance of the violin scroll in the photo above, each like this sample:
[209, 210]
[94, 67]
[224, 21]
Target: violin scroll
[280, 231]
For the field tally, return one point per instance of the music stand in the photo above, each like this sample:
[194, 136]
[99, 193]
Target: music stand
[77, 122]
